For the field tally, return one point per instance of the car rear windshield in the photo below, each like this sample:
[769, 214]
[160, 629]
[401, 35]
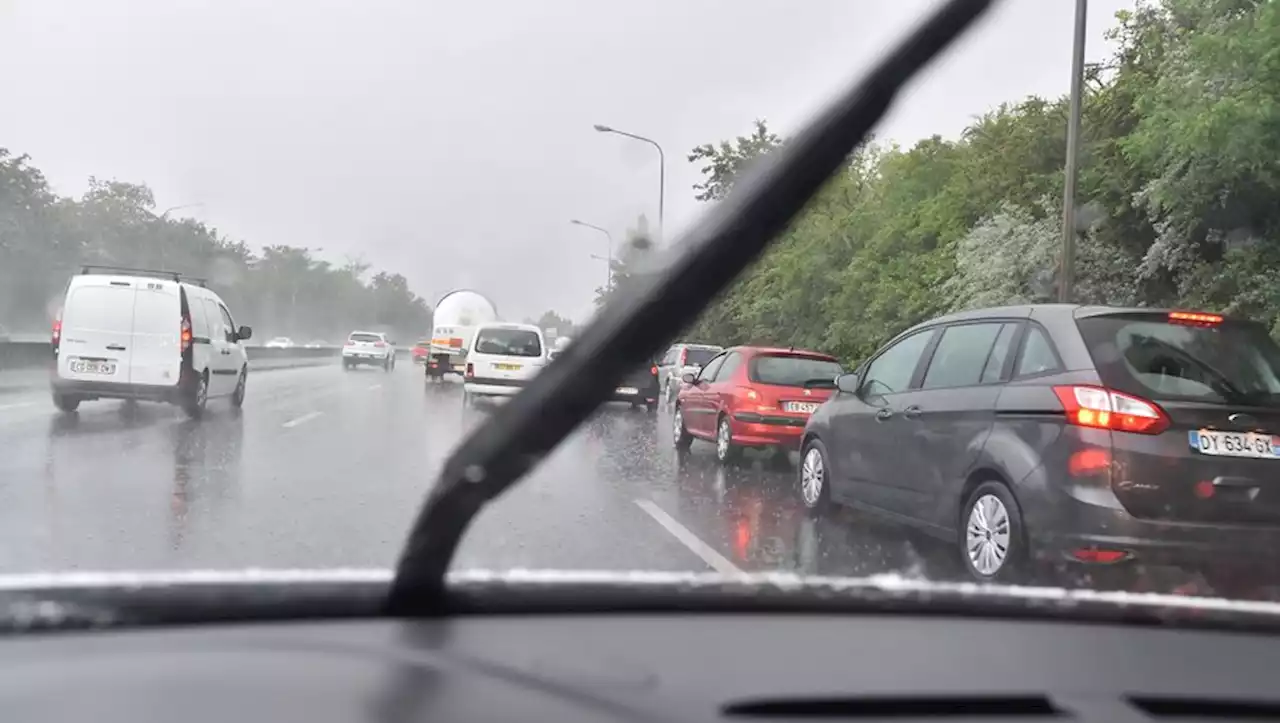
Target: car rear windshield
[793, 371]
[699, 357]
[1150, 356]
[365, 337]
[509, 342]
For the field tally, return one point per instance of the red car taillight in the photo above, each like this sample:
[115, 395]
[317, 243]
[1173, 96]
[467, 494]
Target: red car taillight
[57, 330]
[684, 357]
[471, 370]
[186, 333]
[1101, 408]
[654, 370]
[378, 344]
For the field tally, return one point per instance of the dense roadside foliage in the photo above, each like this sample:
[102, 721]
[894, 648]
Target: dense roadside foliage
[1179, 197]
[281, 290]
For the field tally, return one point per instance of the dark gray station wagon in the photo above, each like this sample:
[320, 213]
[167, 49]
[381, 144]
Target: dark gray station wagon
[1057, 433]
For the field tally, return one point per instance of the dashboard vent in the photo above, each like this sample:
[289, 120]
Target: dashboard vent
[1200, 708]
[948, 706]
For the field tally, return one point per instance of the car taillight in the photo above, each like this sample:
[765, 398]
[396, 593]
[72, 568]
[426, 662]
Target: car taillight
[1104, 409]
[471, 370]
[57, 330]
[378, 344]
[186, 333]
[1194, 318]
[654, 370]
[684, 357]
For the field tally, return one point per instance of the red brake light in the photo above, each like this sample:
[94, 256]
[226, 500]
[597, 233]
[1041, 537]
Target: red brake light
[1104, 409]
[654, 370]
[378, 344]
[471, 370]
[186, 333]
[684, 357]
[57, 328]
[1194, 318]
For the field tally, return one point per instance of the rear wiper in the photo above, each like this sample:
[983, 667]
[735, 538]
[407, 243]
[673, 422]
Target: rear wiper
[825, 382]
[711, 255]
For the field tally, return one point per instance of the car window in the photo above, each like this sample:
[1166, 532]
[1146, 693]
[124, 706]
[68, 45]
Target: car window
[708, 372]
[960, 356]
[699, 357]
[226, 320]
[218, 328]
[999, 354]
[1038, 356]
[730, 365]
[789, 370]
[99, 308]
[509, 342]
[892, 371]
[365, 337]
[1153, 358]
[200, 326]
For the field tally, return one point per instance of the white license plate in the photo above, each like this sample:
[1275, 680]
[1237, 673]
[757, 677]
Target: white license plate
[629, 391]
[1234, 444]
[507, 367]
[805, 407]
[79, 366]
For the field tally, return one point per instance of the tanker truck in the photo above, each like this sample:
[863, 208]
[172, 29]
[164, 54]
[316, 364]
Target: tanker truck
[454, 320]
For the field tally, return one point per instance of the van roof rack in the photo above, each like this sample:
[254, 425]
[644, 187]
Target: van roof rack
[173, 275]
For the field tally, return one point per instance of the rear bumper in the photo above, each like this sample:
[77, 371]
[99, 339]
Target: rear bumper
[641, 395]
[773, 430]
[89, 390]
[364, 358]
[1082, 521]
[493, 387]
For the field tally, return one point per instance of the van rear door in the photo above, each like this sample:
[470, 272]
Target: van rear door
[97, 318]
[157, 334]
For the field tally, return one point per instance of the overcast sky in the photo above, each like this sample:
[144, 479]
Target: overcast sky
[452, 142]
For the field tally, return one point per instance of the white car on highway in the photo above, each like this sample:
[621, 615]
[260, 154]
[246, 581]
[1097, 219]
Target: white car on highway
[502, 359]
[146, 335]
[369, 347]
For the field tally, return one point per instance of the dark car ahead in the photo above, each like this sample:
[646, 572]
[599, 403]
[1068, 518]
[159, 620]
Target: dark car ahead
[640, 388]
[1063, 433]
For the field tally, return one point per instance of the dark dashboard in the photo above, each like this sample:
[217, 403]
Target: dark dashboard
[631, 666]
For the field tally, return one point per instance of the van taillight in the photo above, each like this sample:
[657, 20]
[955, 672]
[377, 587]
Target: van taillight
[471, 370]
[186, 333]
[654, 370]
[1104, 409]
[57, 330]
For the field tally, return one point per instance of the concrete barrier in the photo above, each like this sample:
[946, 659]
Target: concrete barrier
[34, 355]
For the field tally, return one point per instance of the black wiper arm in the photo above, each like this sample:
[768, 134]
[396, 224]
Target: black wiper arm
[712, 254]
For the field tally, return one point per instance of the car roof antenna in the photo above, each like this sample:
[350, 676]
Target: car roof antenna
[710, 256]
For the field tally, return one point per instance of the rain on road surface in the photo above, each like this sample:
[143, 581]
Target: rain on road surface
[325, 468]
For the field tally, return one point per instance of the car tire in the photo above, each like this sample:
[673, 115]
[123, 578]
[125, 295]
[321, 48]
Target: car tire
[992, 540]
[813, 477]
[680, 435]
[237, 397]
[197, 397]
[65, 402]
[726, 450]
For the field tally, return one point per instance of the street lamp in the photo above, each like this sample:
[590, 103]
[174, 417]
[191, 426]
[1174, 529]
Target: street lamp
[1066, 277]
[609, 240]
[165, 215]
[662, 171]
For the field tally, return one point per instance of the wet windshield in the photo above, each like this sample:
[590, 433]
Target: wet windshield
[189, 193]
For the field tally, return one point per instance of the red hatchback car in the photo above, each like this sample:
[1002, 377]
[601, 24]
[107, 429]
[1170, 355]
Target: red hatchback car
[753, 397]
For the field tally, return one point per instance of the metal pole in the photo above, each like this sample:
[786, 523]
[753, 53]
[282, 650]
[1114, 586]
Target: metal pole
[609, 248]
[662, 173]
[1067, 275]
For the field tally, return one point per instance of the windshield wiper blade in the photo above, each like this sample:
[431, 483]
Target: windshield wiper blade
[710, 256]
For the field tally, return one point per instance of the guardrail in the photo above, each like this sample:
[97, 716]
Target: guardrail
[33, 354]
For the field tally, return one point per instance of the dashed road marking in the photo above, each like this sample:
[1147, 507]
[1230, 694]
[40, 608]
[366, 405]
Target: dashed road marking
[717, 561]
[301, 420]
[374, 386]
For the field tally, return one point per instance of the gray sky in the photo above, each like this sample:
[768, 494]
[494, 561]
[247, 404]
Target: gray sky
[451, 142]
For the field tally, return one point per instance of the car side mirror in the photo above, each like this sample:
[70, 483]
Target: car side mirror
[244, 333]
[848, 383]
[689, 378]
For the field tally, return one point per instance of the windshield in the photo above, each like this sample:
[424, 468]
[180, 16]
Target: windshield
[793, 371]
[509, 342]
[448, 174]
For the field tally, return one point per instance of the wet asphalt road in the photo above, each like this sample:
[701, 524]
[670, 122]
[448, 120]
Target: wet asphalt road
[327, 468]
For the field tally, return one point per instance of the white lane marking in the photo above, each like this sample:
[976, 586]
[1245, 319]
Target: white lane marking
[17, 405]
[374, 386]
[717, 561]
[301, 420]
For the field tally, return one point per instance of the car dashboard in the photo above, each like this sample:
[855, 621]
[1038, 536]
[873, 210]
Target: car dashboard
[627, 666]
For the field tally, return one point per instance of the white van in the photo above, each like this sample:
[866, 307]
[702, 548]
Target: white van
[502, 359]
[146, 335]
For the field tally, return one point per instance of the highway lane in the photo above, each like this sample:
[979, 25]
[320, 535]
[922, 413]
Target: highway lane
[327, 468]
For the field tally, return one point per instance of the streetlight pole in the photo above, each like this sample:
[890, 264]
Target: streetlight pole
[165, 215]
[1066, 277]
[609, 240]
[662, 172]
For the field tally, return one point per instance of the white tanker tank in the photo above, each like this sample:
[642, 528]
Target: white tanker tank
[454, 321]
